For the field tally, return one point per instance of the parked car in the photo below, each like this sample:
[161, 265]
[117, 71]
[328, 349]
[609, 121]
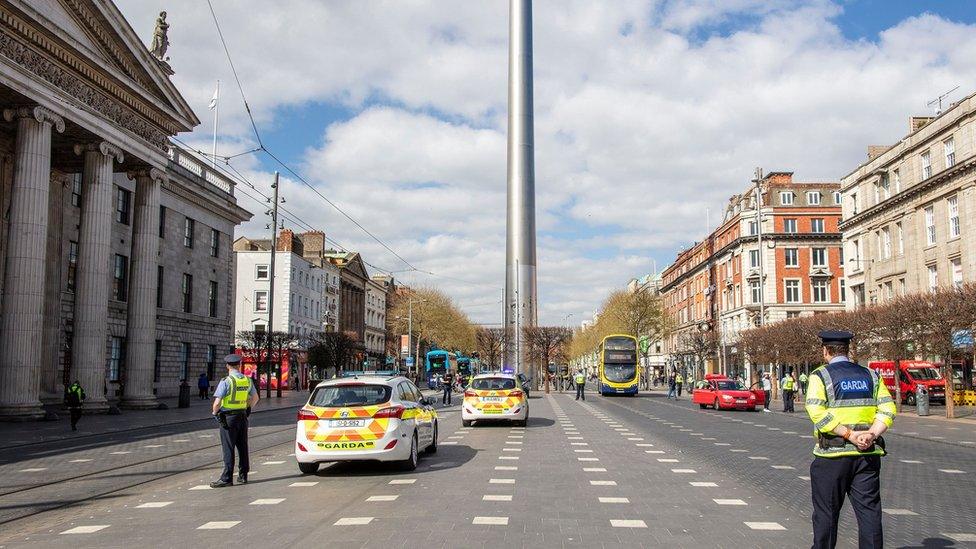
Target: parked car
[720, 392]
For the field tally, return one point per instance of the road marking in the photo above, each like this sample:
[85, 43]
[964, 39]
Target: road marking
[508, 457]
[219, 525]
[730, 502]
[587, 459]
[708, 438]
[614, 500]
[667, 460]
[495, 497]
[79, 461]
[759, 457]
[497, 521]
[936, 438]
[154, 504]
[574, 438]
[267, 501]
[183, 440]
[506, 468]
[721, 444]
[952, 471]
[153, 446]
[683, 471]
[583, 451]
[704, 484]
[594, 469]
[302, 484]
[906, 512]
[403, 481]
[201, 487]
[118, 453]
[696, 434]
[272, 463]
[353, 521]
[773, 429]
[619, 523]
[511, 449]
[635, 438]
[86, 529]
[765, 525]
[621, 429]
[382, 498]
[653, 451]
[736, 450]
[961, 536]
[578, 444]
[501, 481]
[449, 443]
[456, 436]
[205, 436]
[803, 477]
[911, 461]
[603, 483]
[516, 436]
[783, 467]
[514, 442]
[33, 470]
[789, 432]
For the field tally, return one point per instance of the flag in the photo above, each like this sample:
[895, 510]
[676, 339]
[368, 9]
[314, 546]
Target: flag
[213, 100]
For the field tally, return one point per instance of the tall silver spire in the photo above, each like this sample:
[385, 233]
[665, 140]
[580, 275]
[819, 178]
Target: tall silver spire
[520, 261]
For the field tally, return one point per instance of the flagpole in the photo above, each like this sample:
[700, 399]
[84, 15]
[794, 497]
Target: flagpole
[216, 117]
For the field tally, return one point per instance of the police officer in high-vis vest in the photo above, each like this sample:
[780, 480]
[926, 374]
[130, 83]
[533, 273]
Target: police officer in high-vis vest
[580, 380]
[851, 408]
[233, 400]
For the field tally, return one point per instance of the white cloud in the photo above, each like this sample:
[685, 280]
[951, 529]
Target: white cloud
[643, 119]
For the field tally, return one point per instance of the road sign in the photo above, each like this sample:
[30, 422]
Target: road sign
[409, 362]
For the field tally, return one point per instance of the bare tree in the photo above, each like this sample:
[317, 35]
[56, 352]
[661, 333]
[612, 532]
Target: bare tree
[489, 345]
[701, 345]
[332, 352]
[546, 344]
[273, 345]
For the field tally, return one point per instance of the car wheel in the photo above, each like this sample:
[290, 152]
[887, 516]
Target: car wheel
[703, 406]
[411, 462]
[466, 423]
[308, 468]
[432, 449]
[910, 399]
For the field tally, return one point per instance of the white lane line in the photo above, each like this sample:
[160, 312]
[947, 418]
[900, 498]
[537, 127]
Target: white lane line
[905, 512]
[516, 436]
[683, 471]
[219, 525]
[614, 500]
[508, 457]
[574, 438]
[79, 461]
[653, 451]
[353, 521]
[272, 463]
[730, 502]
[603, 483]
[33, 470]
[620, 523]
[382, 498]
[496, 521]
[587, 459]
[952, 471]
[119, 453]
[738, 450]
[496, 497]
[154, 504]
[506, 468]
[708, 438]
[86, 529]
[153, 446]
[513, 442]
[644, 445]
[594, 469]
[765, 525]
[583, 451]
[511, 449]
[783, 467]
[448, 443]
[201, 487]
[667, 460]
[704, 484]
[961, 537]
[267, 501]
[635, 438]
[501, 481]
[456, 436]
[302, 484]
[911, 461]
[183, 440]
[802, 477]
[403, 481]
[721, 444]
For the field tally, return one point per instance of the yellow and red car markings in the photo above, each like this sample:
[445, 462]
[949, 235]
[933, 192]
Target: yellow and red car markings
[493, 407]
[372, 430]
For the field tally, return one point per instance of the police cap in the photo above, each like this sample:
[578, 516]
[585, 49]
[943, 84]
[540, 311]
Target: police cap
[232, 359]
[836, 336]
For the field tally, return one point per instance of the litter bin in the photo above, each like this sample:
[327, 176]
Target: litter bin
[184, 400]
[921, 400]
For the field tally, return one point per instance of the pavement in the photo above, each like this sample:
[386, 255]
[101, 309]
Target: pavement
[608, 472]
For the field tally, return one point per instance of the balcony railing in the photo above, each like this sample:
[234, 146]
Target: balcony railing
[194, 165]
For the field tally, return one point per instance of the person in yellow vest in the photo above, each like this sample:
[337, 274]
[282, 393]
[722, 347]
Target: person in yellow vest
[580, 380]
[788, 385]
[851, 408]
[234, 399]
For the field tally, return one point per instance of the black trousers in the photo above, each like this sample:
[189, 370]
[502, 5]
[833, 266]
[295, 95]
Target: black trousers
[75, 416]
[231, 439]
[446, 399]
[579, 391]
[833, 479]
[788, 400]
[678, 385]
[203, 393]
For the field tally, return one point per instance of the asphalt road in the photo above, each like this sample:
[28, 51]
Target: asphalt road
[613, 472]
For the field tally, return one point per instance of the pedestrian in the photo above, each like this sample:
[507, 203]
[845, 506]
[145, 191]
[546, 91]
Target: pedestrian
[74, 396]
[767, 387]
[803, 383]
[788, 385]
[678, 381]
[850, 408]
[234, 399]
[203, 384]
[672, 386]
[448, 386]
[580, 380]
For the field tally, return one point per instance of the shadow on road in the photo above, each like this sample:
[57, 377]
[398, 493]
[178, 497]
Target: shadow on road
[447, 457]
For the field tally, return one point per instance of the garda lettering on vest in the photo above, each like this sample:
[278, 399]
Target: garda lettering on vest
[349, 445]
[854, 385]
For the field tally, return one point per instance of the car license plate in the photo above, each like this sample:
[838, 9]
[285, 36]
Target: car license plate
[492, 399]
[740, 401]
[492, 411]
[347, 423]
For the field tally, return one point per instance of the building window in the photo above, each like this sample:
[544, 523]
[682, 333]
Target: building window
[885, 243]
[953, 203]
[792, 291]
[754, 259]
[122, 197]
[837, 197]
[791, 257]
[877, 192]
[261, 301]
[900, 234]
[261, 272]
[786, 198]
[187, 289]
[214, 243]
[896, 178]
[792, 314]
[755, 293]
[926, 165]
[930, 225]
[956, 266]
[817, 225]
[949, 146]
[162, 222]
[211, 361]
[259, 328]
[885, 187]
[933, 278]
[212, 299]
[76, 190]
[813, 198]
[116, 358]
[158, 361]
[856, 260]
[821, 291]
[818, 257]
[72, 264]
[188, 227]
[120, 278]
[184, 360]
[843, 290]
[159, 285]
[789, 225]
[901, 286]
[889, 291]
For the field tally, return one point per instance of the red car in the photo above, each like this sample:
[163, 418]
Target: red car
[721, 392]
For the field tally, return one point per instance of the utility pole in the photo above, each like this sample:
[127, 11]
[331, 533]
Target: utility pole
[762, 275]
[271, 280]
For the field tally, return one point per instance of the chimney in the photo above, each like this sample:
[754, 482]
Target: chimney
[916, 123]
[288, 243]
[779, 178]
[875, 151]
[313, 242]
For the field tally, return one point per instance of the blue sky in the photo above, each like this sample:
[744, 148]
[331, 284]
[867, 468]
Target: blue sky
[648, 114]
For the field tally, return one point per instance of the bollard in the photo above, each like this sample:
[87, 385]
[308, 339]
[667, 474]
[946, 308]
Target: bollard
[184, 401]
[921, 400]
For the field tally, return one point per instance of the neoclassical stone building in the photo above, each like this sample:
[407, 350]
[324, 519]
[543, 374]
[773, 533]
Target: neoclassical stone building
[115, 248]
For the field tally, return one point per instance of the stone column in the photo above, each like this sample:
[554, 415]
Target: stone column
[23, 290]
[92, 274]
[141, 319]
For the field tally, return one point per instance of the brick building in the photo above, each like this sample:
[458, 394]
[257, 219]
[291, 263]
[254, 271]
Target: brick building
[727, 282]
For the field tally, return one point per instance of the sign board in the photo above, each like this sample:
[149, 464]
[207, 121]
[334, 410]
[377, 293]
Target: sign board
[404, 345]
[409, 362]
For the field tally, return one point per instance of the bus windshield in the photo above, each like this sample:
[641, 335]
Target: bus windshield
[925, 374]
[619, 373]
[620, 344]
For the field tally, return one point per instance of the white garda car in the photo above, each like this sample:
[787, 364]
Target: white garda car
[495, 396]
[362, 418]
